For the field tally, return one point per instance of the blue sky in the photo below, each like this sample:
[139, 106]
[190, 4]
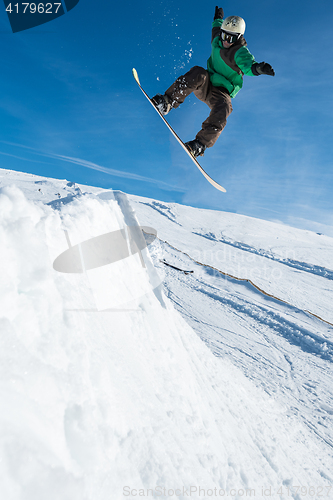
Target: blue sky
[71, 109]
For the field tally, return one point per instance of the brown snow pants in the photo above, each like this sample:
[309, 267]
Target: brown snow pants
[217, 98]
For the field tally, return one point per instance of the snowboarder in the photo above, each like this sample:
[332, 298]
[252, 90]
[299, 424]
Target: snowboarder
[229, 61]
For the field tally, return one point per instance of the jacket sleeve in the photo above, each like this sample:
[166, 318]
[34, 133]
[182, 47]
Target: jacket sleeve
[245, 60]
[217, 23]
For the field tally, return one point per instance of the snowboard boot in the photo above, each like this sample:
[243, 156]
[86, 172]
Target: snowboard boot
[162, 103]
[195, 148]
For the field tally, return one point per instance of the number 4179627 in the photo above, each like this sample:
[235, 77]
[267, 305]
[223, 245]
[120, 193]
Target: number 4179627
[33, 8]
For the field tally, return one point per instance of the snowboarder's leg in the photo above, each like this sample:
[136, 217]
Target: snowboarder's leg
[196, 79]
[219, 102]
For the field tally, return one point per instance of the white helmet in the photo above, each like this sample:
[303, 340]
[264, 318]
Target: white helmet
[234, 24]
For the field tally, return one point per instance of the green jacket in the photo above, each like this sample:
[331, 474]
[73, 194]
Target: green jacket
[226, 67]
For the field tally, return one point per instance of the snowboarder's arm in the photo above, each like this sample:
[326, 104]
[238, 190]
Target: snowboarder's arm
[217, 23]
[216, 31]
[245, 61]
[247, 64]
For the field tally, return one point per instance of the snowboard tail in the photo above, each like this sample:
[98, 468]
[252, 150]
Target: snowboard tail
[195, 161]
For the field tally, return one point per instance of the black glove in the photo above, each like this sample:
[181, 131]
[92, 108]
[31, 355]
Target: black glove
[262, 68]
[218, 13]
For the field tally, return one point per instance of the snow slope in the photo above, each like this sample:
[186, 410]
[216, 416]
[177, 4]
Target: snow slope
[114, 385]
[261, 295]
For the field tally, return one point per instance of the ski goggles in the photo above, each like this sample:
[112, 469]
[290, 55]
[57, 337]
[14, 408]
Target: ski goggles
[229, 37]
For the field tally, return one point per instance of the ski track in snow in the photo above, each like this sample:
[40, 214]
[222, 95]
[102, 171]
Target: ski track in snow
[163, 210]
[302, 266]
[301, 337]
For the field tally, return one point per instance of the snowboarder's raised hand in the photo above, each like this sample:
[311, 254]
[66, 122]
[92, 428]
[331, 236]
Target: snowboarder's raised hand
[262, 68]
[218, 13]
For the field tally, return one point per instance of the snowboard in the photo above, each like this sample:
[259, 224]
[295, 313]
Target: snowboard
[195, 161]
